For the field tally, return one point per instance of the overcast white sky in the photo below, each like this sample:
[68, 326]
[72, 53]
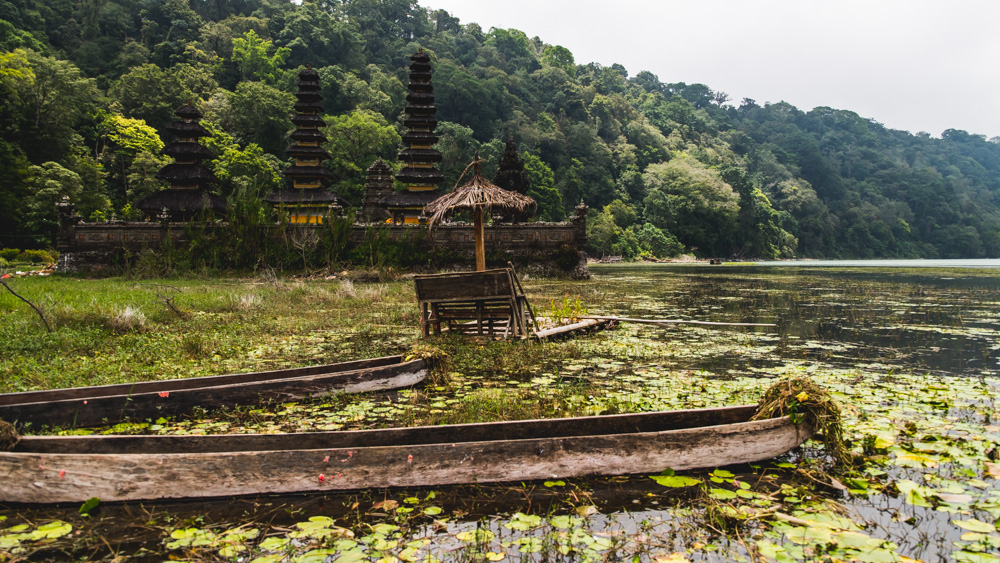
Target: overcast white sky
[916, 65]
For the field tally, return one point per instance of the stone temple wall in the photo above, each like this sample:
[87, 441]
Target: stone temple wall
[92, 244]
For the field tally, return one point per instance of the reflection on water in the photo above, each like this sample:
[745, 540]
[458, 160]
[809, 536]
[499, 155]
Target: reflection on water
[921, 320]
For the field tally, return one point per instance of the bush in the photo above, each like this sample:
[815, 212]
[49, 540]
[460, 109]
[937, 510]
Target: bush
[566, 258]
[36, 257]
[10, 254]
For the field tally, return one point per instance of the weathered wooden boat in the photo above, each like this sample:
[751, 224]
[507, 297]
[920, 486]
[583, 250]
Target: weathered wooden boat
[49, 469]
[90, 406]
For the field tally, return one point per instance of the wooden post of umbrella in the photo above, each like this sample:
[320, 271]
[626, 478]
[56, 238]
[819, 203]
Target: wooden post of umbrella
[480, 235]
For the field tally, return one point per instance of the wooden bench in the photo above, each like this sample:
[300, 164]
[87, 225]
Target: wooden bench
[485, 303]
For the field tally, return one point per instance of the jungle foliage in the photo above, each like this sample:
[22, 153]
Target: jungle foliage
[665, 167]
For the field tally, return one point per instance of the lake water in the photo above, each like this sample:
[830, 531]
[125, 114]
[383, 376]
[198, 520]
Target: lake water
[931, 319]
[963, 263]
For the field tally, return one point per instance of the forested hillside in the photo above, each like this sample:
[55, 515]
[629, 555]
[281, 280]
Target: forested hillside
[88, 85]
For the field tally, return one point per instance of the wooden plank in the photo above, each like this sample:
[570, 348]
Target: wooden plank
[668, 322]
[111, 409]
[489, 283]
[566, 329]
[188, 383]
[73, 477]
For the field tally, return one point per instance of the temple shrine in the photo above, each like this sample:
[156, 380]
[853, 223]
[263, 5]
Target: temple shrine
[307, 201]
[186, 198]
[418, 173]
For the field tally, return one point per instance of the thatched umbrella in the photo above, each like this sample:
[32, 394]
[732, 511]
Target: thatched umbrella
[478, 195]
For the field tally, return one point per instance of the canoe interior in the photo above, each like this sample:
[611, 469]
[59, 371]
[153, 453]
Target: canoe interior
[188, 383]
[222, 391]
[444, 434]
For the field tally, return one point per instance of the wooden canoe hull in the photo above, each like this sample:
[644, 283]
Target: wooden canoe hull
[109, 404]
[39, 477]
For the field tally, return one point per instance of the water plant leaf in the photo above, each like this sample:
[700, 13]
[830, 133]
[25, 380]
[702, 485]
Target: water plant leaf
[273, 543]
[52, 530]
[89, 505]
[974, 525]
[721, 494]
[478, 535]
[675, 481]
[562, 521]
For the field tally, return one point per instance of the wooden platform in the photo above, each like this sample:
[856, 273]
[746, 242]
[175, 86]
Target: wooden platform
[487, 303]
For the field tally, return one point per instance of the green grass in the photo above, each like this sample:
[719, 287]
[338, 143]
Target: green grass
[116, 330]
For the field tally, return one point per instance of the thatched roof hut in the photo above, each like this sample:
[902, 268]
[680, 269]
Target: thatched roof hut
[479, 195]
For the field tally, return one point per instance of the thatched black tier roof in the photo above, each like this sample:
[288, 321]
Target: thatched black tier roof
[305, 197]
[420, 122]
[420, 155]
[418, 110]
[307, 152]
[308, 120]
[419, 138]
[186, 174]
[420, 82]
[186, 130]
[188, 111]
[380, 170]
[310, 84]
[309, 96]
[305, 107]
[182, 200]
[308, 136]
[305, 172]
[412, 175]
[425, 98]
[411, 199]
[186, 150]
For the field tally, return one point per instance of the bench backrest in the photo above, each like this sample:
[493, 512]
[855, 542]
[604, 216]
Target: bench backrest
[464, 285]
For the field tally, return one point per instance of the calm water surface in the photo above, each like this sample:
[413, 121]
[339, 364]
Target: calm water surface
[942, 317]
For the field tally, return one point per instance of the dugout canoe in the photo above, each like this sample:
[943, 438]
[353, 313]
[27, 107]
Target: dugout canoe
[124, 468]
[110, 404]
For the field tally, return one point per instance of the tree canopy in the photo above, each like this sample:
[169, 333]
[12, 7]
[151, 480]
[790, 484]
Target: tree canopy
[665, 167]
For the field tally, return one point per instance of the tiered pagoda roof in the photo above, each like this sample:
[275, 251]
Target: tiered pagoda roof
[510, 174]
[187, 171]
[418, 171]
[379, 186]
[186, 196]
[308, 176]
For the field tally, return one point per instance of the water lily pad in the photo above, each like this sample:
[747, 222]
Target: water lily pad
[974, 525]
[675, 481]
[721, 494]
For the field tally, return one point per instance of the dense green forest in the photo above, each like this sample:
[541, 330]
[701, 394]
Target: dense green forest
[88, 85]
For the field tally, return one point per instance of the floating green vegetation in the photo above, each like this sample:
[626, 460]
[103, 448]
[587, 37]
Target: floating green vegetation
[805, 402]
